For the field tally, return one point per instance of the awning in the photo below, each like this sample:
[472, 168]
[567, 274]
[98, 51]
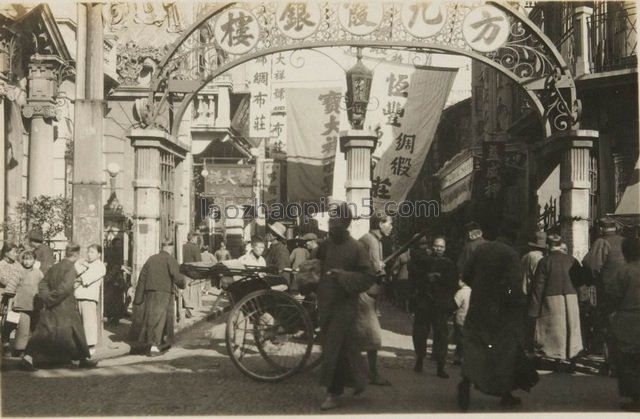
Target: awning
[628, 210]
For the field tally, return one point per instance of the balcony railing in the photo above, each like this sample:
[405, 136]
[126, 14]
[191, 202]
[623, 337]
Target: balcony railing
[613, 35]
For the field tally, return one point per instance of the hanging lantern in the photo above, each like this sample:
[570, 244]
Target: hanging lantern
[359, 79]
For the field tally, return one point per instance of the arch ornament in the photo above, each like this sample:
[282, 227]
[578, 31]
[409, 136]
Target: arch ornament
[491, 32]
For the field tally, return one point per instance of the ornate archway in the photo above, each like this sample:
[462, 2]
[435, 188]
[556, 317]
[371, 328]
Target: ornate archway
[491, 32]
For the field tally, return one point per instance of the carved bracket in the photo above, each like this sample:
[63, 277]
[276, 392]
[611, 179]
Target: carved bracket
[41, 110]
[133, 60]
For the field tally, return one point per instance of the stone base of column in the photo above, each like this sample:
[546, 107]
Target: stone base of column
[357, 146]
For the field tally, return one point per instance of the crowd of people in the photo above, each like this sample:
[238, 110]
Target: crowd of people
[51, 307]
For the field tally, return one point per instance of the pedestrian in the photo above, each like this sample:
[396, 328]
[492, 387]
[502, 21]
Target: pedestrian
[402, 288]
[10, 276]
[603, 260]
[474, 239]
[530, 260]
[24, 302]
[192, 294]
[435, 284]
[625, 324]
[462, 298]
[277, 254]
[44, 253]
[154, 328]
[116, 284]
[59, 333]
[554, 304]
[311, 243]
[87, 293]
[380, 225]
[254, 256]
[494, 358]
[207, 256]
[298, 255]
[222, 253]
[346, 272]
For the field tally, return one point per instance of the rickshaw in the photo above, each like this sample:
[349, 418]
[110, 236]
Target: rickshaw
[270, 335]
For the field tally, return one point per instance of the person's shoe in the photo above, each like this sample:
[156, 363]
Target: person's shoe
[418, 367]
[26, 364]
[464, 395]
[154, 351]
[331, 402]
[88, 363]
[509, 400]
[6, 350]
[442, 373]
[17, 353]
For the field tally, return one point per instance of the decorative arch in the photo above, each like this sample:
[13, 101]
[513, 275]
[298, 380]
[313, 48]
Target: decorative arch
[493, 33]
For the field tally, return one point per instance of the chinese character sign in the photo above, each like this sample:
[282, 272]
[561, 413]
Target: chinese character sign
[271, 182]
[414, 103]
[280, 69]
[485, 29]
[237, 31]
[231, 181]
[313, 130]
[493, 156]
[260, 106]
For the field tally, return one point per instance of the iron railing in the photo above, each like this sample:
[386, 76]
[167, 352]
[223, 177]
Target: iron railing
[613, 36]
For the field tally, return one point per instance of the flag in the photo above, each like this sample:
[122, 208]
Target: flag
[411, 109]
[313, 131]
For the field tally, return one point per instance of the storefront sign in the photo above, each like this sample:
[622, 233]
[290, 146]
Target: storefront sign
[298, 20]
[493, 156]
[229, 181]
[485, 29]
[360, 18]
[237, 31]
[457, 193]
[424, 19]
[464, 169]
[271, 181]
[260, 105]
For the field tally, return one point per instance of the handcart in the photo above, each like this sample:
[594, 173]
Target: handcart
[269, 333]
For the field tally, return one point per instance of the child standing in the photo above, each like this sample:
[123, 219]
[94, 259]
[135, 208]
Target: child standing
[23, 302]
[462, 297]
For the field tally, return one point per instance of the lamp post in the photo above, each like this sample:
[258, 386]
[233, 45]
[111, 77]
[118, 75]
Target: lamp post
[357, 144]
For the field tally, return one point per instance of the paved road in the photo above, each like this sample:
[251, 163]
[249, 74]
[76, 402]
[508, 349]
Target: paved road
[196, 378]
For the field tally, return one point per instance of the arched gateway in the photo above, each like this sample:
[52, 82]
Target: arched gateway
[494, 33]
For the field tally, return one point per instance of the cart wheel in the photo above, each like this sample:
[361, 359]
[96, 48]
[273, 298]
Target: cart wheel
[269, 335]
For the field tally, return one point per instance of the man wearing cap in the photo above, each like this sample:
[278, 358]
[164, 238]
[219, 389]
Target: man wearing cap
[44, 254]
[311, 243]
[299, 254]
[530, 261]
[474, 235]
[191, 296]
[277, 255]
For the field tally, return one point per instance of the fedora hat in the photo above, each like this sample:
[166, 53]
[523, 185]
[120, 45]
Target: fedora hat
[554, 240]
[36, 236]
[279, 229]
[539, 240]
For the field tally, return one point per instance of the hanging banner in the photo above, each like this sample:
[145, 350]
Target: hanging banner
[313, 129]
[413, 121]
[260, 106]
[271, 182]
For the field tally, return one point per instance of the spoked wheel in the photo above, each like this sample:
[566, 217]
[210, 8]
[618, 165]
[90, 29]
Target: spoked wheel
[269, 335]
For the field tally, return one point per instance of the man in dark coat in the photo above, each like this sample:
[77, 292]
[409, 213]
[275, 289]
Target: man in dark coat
[494, 327]
[155, 292]
[59, 333]
[192, 295]
[474, 234]
[44, 253]
[435, 282]
[277, 255]
[346, 272]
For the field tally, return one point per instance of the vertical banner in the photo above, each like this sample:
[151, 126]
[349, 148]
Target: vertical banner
[271, 182]
[278, 129]
[413, 122]
[260, 106]
[493, 157]
[313, 129]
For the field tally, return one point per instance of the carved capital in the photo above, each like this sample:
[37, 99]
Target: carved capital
[135, 61]
[40, 110]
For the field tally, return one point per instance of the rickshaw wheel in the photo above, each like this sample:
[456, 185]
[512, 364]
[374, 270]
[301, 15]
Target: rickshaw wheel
[269, 335]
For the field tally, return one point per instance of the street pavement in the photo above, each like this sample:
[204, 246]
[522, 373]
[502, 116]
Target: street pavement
[196, 377]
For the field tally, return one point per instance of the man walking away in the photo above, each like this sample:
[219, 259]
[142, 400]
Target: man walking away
[155, 289]
[44, 254]
[475, 239]
[191, 296]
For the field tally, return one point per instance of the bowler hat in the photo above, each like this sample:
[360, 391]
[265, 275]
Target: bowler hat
[539, 240]
[36, 236]
[309, 236]
[279, 229]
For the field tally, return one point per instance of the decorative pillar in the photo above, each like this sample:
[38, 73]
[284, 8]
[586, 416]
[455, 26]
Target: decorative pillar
[357, 145]
[223, 119]
[574, 147]
[582, 46]
[41, 109]
[148, 145]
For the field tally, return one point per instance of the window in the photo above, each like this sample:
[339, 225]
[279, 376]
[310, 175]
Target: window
[167, 200]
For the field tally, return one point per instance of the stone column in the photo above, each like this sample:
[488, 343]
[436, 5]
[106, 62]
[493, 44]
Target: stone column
[40, 108]
[574, 147]
[2, 161]
[357, 146]
[582, 47]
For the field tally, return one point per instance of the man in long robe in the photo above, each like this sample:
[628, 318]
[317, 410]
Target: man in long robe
[154, 297]
[59, 334]
[346, 272]
[495, 324]
[192, 295]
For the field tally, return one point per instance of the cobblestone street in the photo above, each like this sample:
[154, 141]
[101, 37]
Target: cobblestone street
[197, 378]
